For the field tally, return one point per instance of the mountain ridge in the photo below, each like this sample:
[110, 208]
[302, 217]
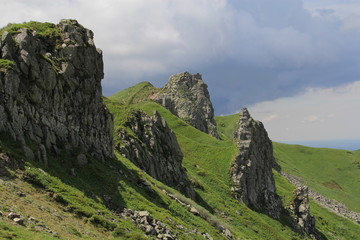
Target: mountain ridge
[77, 193]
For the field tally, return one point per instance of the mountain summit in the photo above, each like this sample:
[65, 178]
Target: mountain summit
[187, 97]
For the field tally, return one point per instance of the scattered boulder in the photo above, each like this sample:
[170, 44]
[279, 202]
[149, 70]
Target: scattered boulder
[13, 215]
[207, 236]
[153, 147]
[148, 224]
[194, 211]
[187, 97]
[18, 221]
[251, 172]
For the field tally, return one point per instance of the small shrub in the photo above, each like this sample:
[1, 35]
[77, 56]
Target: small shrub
[101, 221]
[74, 231]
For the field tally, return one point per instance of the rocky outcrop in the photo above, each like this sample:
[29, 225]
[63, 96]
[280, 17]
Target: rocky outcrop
[251, 172]
[187, 97]
[52, 94]
[330, 204]
[148, 224]
[300, 212]
[152, 146]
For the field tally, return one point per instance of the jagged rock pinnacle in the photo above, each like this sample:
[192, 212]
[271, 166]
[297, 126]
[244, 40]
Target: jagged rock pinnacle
[251, 172]
[187, 97]
[300, 211]
[154, 148]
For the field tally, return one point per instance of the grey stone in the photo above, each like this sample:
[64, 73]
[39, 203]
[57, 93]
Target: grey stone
[143, 213]
[29, 154]
[300, 211]
[13, 215]
[187, 97]
[153, 147]
[251, 172]
[59, 107]
[194, 211]
[82, 159]
[18, 221]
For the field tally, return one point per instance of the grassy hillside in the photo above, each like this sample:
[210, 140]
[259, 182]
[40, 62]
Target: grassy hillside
[331, 172]
[208, 160]
[73, 201]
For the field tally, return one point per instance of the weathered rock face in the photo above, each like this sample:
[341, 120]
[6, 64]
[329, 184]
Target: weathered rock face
[187, 97]
[52, 95]
[300, 211]
[153, 147]
[251, 172]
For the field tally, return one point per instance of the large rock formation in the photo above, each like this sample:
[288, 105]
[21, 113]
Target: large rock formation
[300, 212]
[153, 147]
[251, 172]
[51, 94]
[187, 97]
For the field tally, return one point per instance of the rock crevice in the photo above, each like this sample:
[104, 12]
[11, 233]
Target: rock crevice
[251, 172]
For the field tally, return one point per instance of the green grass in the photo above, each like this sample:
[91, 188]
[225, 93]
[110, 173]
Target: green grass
[207, 161]
[226, 125]
[328, 223]
[134, 94]
[6, 64]
[331, 172]
[9, 231]
[43, 29]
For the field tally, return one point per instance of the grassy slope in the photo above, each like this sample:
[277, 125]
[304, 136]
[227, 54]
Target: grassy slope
[333, 173]
[207, 161]
[79, 200]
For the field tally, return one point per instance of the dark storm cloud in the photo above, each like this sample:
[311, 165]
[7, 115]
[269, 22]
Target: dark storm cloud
[247, 51]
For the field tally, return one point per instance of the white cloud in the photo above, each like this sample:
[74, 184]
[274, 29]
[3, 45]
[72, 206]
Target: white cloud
[316, 114]
[247, 51]
[270, 118]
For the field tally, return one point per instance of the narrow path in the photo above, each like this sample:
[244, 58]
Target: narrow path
[329, 204]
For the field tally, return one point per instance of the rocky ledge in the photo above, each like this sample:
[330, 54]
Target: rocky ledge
[251, 172]
[51, 93]
[187, 97]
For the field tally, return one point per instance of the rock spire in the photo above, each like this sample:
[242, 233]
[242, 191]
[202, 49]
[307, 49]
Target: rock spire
[187, 97]
[152, 146]
[300, 212]
[251, 172]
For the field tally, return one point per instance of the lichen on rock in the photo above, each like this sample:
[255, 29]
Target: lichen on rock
[52, 95]
[251, 172]
[187, 97]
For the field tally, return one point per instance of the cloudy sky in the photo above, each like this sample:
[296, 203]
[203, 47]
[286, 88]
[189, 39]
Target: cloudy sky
[294, 63]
